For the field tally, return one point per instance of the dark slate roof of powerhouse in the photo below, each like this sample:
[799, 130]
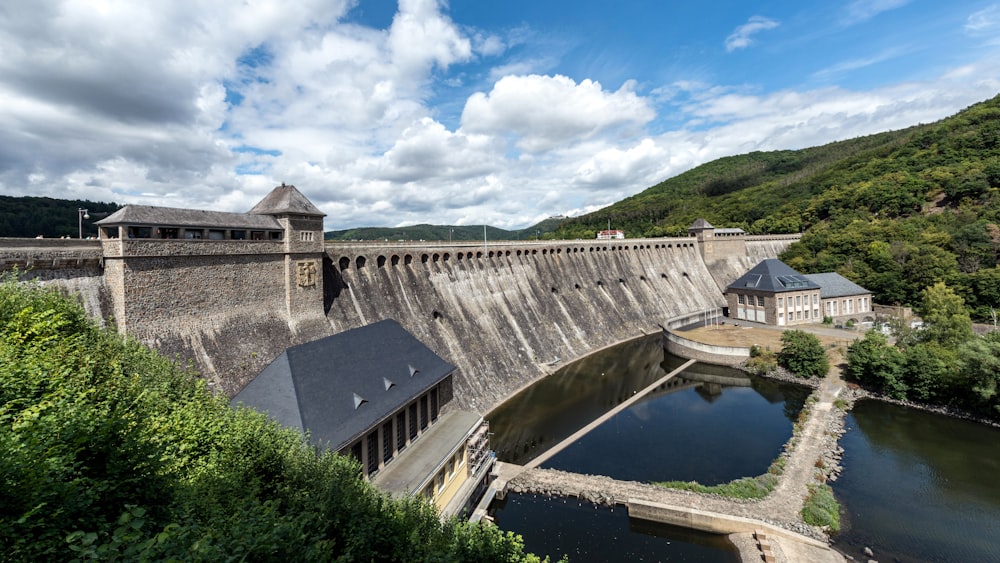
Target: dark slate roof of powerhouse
[286, 199]
[833, 285]
[700, 224]
[773, 275]
[339, 386]
[172, 216]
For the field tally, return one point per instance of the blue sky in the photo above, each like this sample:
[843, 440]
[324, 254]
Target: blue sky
[421, 111]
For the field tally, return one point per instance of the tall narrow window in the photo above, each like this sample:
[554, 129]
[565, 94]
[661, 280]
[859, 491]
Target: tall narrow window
[373, 452]
[401, 431]
[423, 412]
[387, 441]
[413, 421]
[356, 451]
[434, 404]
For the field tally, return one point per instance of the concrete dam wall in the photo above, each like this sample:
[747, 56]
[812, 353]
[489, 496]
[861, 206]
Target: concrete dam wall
[509, 314]
[504, 313]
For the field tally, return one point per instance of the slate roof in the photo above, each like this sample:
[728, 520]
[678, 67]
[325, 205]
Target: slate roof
[773, 276]
[700, 224]
[833, 285]
[339, 386]
[286, 199]
[177, 217]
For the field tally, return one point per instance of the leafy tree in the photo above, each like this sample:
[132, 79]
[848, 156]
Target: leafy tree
[928, 372]
[803, 354]
[946, 320]
[873, 361]
[979, 368]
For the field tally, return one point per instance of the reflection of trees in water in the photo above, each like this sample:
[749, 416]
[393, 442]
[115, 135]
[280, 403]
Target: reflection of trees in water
[962, 455]
[572, 397]
[562, 403]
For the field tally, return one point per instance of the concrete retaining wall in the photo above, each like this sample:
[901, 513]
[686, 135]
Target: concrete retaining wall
[709, 353]
[709, 521]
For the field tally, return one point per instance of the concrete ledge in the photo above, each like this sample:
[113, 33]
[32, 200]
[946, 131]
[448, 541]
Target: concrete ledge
[709, 521]
[709, 353]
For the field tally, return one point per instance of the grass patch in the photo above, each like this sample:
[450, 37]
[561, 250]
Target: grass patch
[821, 508]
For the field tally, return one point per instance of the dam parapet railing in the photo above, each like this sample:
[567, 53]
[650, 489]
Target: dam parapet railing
[393, 253]
[709, 353]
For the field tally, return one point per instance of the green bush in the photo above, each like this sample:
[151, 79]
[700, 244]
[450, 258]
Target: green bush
[111, 452]
[803, 354]
[821, 508]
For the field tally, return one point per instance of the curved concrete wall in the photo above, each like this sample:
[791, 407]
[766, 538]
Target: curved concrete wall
[512, 313]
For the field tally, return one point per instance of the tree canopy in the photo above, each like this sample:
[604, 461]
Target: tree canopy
[112, 452]
[803, 354]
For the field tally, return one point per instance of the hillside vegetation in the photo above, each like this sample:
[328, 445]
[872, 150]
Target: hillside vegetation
[113, 453]
[52, 218]
[542, 230]
[895, 212]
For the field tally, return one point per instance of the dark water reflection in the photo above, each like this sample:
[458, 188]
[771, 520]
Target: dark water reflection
[710, 424]
[557, 527]
[919, 486]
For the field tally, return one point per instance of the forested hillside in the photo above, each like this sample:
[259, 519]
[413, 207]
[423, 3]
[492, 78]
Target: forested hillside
[894, 212]
[51, 218]
[541, 230]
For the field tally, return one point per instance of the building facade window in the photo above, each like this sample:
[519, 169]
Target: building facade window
[373, 452]
[760, 301]
[434, 404]
[781, 302]
[798, 300]
[401, 430]
[387, 441]
[741, 299]
[413, 421]
[423, 412]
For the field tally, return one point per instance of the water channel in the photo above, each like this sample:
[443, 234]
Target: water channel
[919, 486]
[709, 424]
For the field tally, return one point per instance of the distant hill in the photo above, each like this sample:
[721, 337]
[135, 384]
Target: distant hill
[52, 218]
[541, 230]
[894, 212]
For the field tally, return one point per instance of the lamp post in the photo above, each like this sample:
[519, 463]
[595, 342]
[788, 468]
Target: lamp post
[81, 214]
[450, 233]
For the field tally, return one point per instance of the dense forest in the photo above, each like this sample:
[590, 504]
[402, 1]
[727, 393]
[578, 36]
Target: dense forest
[114, 453]
[943, 363]
[540, 231]
[28, 217]
[894, 212]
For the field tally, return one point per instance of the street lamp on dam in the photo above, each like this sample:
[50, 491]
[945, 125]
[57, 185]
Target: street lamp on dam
[81, 215]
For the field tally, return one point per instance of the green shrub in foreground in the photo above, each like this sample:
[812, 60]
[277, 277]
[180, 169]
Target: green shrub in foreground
[111, 452]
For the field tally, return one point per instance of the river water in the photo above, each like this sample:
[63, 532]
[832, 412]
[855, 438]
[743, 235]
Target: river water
[919, 486]
[709, 424]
